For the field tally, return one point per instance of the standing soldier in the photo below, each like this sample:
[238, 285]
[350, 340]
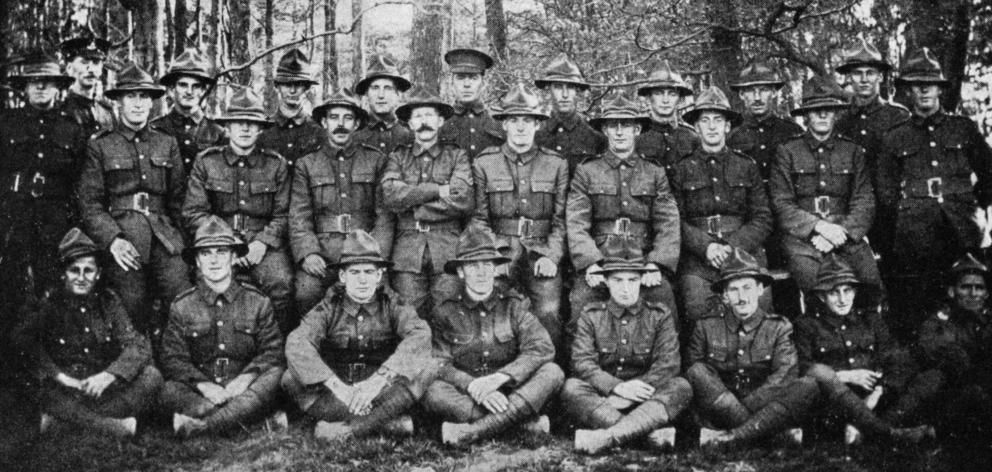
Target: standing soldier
[520, 191]
[130, 196]
[822, 194]
[625, 357]
[496, 367]
[925, 184]
[666, 139]
[295, 134]
[722, 201]
[743, 364]
[335, 191]
[381, 87]
[428, 185]
[188, 79]
[360, 359]
[567, 131]
[84, 56]
[222, 353]
[471, 127]
[248, 188]
[622, 193]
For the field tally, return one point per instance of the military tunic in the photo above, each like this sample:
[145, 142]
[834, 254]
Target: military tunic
[758, 138]
[866, 125]
[91, 115]
[192, 136]
[384, 135]
[667, 143]
[293, 138]
[571, 136]
[472, 129]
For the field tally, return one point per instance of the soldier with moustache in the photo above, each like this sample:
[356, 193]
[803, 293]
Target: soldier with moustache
[567, 132]
[471, 127]
[382, 88]
[84, 56]
[294, 133]
[666, 140]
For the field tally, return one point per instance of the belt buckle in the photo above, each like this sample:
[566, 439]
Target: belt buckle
[37, 184]
[622, 227]
[344, 222]
[220, 368]
[355, 371]
[934, 188]
[821, 206]
[421, 227]
[139, 202]
[713, 224]
[524, 225]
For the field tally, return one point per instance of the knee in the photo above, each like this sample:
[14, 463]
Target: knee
[699, 373]
[150, 377]
[572, 389]
[806, 389]
[551, 374]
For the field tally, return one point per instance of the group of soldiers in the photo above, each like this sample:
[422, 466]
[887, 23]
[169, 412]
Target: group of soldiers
[489, 267]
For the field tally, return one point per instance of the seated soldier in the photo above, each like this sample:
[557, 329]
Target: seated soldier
[743, 363]
[496, 367]
[625, 358]
[93, 368]
[359, 360]
[222, 352]
[852, 356]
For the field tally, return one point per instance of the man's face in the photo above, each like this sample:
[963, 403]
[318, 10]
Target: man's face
[215, 263]
[340, 123]
[742, 296]
[291, 94]
[383, 96]
[81, 276]
[821, 122]
[187, 92]
[865, 81]
[361, 280]
[479, 277]
[86, 71]
[135, 108]
[758, 99]
[41, 93]
[467, 86]
[664, 101]
[625, 287]
[622, 135]
[840, 299]
[712, 128]
[425, 123]
[564, 97]
[520, 130]
[243, 134]
[926, 97]
[970, 292]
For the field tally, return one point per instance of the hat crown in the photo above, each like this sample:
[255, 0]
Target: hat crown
[83, 40]
[215, 232]
[360, 246]
[665, 76]
[759, 71]
[293, 62]
[713, 97]
[475, 241]
[820, 87]
[969, 263]
[468, 60]
[619, 106]
[342, 97]
[382, 66]
[36, 56]
[862, 52]
[133, 74]
[76, 243]
[739, 263]
[421, 95]
[562, 67]
[193, 61]
[622, 250]
[521, 100]
[922, 61]
[834, 269]
[245, 100]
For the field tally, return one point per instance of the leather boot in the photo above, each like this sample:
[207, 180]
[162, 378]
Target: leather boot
[236, 412]
[768, 420]
[538, 425]
[644, 419]
[728, 411]
[854, 409]
[460, 434]
[592, 441]
[603, 417]
[395, 401]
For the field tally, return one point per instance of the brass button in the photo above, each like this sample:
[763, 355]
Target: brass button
[221, 346]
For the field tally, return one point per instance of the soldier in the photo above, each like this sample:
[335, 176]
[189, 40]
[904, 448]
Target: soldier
[520, 191]
[84, 56]
[925, 184]
[496, 368]
[428, 185]
[860, 368]
[761, 130]
[295, 134]
[248, 188]
[381, 87]
[567, 131]
[622, 192]
[360, 359]
[625, 357]
[222, 353]
[94, 370]
[723, 204]
[743, 364]
[130, 196]
[822, 194]
[666, 139]
[471, 127]
[189, 77]
[335, 191]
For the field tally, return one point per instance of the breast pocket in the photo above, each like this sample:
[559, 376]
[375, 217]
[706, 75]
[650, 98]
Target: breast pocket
[761, 357]
[263, 192]
[956, 158]
[119, 174]
[608, 352]
[158, 176]
[697, 196]
[244, 341]
[363, 184]
[200, 340]
[499, 193]
[323, 191]
[543, 196]
[805, 181]
[643, 194]
[604, 197]
[220, 192]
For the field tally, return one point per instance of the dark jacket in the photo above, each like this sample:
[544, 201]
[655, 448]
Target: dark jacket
[571, 136]
[473, 129]
[758, 139]
[192, 137]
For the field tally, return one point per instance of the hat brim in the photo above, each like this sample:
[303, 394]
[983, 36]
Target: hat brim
[600, 121]
[451, 267]
[154, 91]
[502, 115]
[404, 111]
[544, 83]
[261, 120]
[66, 259]
[189, 254]
[692, 115]
[681, 89]
[763, 277]
[308, 81]
[362, 115]
[836, 106]
[487, 60]
[402, 84]
[923, 80]
[743, 85]
[831, 283]
[361, 260]
[610, 268]
[61, 81]
[171, 78]
[847, 67]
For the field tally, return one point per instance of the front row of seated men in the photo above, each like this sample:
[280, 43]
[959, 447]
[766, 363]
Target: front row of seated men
[362, 359]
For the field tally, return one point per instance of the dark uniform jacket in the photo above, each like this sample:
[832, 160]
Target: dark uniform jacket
[337, 190]
[721, 199]
[91, 115]
[666, 143]
[521, 198]
[614, 344]
[214, 337]
[758, 139]
[124, 172]
[341, 338]
[959, 343]
[816, 181]
[609, 194]
[472, 129]
[250, 193]
[191, 136]
[571, 136]
[83, 336]
[474, 339]
[751, 356]
[867, 126]
[385, 136]
[426, 222]
[293, 138]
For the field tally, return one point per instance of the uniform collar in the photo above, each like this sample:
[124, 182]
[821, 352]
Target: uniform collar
[178, 116]
[872, 107]
[525, 157]
[748, 325]
[620, 311]
[78, 97]
[333, 150]
[476, 107]
[564, 120]
[211, 297]
[815, 144]
[614, 161]
[488, 304]
[353, 308]
[129, 133]
[251, 160]
[433, 151]
[855, 317]
[284, 121]
[752, 121]
[934, 119]
[706, 156]
[377, 123]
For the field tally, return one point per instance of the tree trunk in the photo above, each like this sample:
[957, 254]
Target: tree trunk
[357, 42]
[725, 53]
[330, 48]
[943, 27]
[181, 25]
[496, 29]
[270, 93]
[429, 21]
[238, 49]
[148, 20]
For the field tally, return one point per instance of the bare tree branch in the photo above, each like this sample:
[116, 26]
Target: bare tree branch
[651, 53]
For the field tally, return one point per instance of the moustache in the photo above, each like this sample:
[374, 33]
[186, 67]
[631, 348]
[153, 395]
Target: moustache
[424, 128]
[340, 130]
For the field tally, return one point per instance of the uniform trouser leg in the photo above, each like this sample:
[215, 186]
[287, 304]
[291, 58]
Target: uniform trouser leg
[274, 275]
[247, 406]
[583, 403]
[697, 298]
[171, 277]
[320, 403]
[135, 397]
[582, 294]
[545, 301]
[920, 391]
[122, 399]
[787, 404]
[716, 402]
[421, 290]
[452, 404]
[168, 274]
[310, 290]
[843, 400]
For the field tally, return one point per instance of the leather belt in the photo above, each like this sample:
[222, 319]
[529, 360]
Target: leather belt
[936, 187]
[343, 223]
[219, 369]
[620, 227]
[717, 225]
[242, 223]
[523, 227]
[353, 372]
[36, 184]
[428, 226]
[141, 202]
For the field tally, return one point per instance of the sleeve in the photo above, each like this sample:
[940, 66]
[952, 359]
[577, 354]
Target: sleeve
[275, 232]
[533, 343]
[581, 245]
[480, 217]
[805, 337]
[177, 182]
[585, 358]
[92, 200]
[268, 338]
[302, 237]
[667, 233]
[136, 350]
[889, 172]
[399, 196]
[861, 206]
[461, 200]
[303, 348]
[791, 218]
[556, 239]
[447, 372]
[175, 357]
[385, 220]
[940, 351]
[196, 207]
[755, 231]
[785, 367]
[411, 355]
[694, 239]
[980, 158]
[28, 338]
[665, 358]
[697, 344]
